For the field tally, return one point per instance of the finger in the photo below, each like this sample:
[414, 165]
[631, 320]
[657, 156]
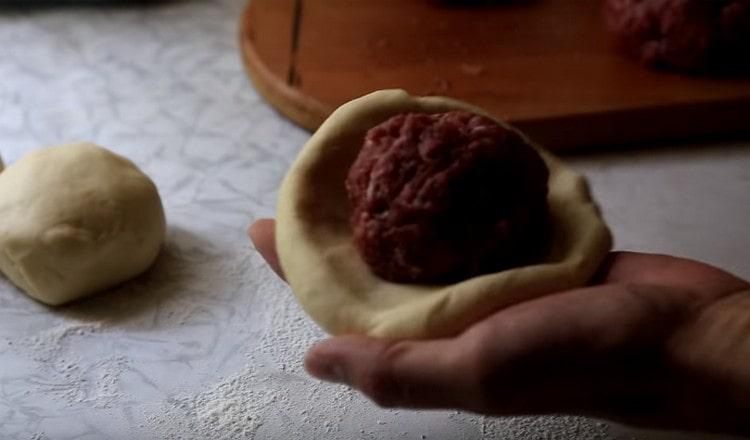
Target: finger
[261, 233]
[665, 270]
[413, 374]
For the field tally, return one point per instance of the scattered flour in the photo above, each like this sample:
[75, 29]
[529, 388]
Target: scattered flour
[69, 377]
[548, 428]
[47, 345]
[271, 394]
[232, 409]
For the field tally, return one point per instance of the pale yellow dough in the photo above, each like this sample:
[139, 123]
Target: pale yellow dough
[335, 286]
[76, 219]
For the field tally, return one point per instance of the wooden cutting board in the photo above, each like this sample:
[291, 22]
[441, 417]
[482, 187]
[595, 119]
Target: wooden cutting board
[545, 65]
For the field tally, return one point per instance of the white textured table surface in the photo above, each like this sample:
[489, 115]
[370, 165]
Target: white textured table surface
[209, 343]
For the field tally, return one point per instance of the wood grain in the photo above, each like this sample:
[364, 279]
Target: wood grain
[545, 65]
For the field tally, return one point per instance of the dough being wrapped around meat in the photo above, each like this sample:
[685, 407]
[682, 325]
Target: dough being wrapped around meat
[337, 288]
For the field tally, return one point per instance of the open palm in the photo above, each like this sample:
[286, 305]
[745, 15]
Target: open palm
[655, 341]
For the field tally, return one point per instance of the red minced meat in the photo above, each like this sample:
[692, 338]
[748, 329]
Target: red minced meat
[443, 197]
[687, 35]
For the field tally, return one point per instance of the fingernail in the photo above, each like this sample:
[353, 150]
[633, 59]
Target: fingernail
[327, 370]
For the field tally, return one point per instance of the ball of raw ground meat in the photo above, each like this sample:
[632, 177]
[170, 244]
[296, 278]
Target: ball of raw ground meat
[443, 197]
[689, 35]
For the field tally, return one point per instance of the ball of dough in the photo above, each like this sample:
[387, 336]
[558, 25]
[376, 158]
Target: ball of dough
[76, 219]
[337, 288]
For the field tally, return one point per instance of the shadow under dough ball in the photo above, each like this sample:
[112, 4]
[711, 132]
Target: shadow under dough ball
[686, 35]
[443, 197]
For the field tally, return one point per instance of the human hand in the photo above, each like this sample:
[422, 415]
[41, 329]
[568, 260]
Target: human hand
[658, 341]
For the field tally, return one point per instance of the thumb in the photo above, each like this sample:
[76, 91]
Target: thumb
[423, 374]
